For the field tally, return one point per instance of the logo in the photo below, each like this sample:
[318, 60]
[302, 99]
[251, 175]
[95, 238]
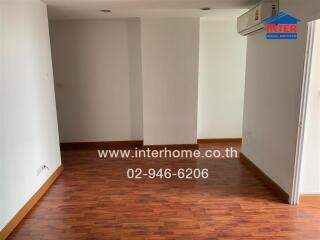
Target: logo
[281, 26]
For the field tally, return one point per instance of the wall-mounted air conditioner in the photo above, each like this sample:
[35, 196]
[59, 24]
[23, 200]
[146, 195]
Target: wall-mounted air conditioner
[252, 20]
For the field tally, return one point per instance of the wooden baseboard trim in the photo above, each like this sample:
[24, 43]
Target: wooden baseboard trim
[139, 144]
[7, 230]
[101, 145]
[171, 147]
[220, 140]
[264, 178]
[310, 198]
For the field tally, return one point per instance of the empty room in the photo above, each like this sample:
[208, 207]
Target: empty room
[159, 119]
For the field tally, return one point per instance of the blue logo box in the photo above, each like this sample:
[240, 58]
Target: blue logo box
[282, 36]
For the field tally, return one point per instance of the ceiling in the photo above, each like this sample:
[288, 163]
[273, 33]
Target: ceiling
[90, 9]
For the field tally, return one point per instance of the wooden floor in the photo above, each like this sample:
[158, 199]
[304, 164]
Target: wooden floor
[93, 199]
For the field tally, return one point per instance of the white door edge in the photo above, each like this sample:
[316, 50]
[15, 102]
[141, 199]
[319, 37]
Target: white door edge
[294, 197]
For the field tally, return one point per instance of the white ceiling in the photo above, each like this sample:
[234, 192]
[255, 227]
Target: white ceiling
[90, 9]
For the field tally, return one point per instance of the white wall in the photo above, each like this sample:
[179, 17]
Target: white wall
[2, 186]
[272, 97]
[310, 176]
[135, 73]
[29, 132]
[221, 80]
[97, 68]
[170, 55]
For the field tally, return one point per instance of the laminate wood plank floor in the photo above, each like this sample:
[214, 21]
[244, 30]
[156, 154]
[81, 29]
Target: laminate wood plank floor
[94, 199]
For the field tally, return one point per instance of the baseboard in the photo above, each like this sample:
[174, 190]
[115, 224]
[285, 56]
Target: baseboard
[264, 178]
[171, 146]
[101, 145]
[220, 140]
[139, 144]
[310, 198]
[7, 230]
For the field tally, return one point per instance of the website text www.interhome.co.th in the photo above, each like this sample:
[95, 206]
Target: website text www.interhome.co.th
[228, 152]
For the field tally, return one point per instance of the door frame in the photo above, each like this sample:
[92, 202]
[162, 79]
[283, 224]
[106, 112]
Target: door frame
[295, 194]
